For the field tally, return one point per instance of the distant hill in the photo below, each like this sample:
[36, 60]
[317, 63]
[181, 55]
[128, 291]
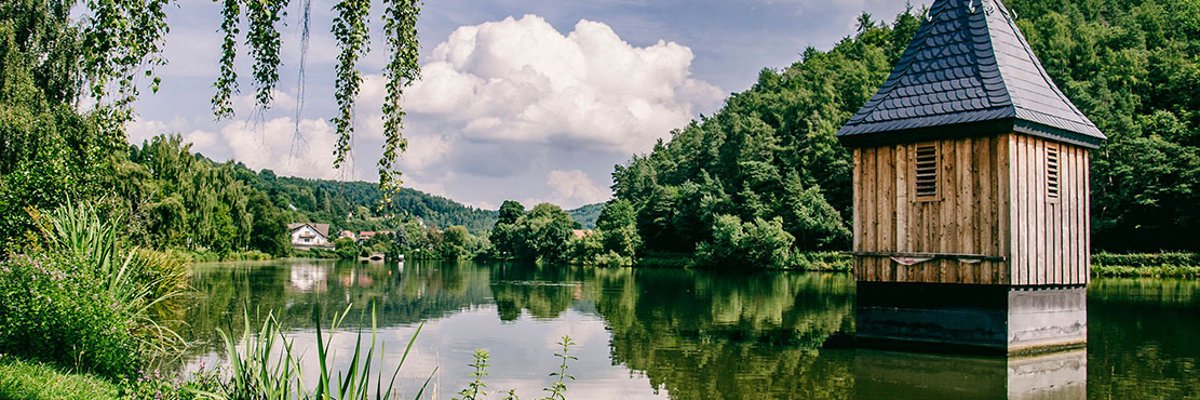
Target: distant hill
[352, 205]
[586, 216]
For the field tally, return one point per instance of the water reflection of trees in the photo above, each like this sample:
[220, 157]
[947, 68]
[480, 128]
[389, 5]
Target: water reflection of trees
[401, 295]
[1142, 334]
[694, 334]
[544, 292]
[701, 335]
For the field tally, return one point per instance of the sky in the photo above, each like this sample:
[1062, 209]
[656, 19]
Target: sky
[534, 101]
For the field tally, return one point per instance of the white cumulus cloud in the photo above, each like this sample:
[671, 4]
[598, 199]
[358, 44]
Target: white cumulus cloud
[522, 81]
[273, 144]
[573, 188]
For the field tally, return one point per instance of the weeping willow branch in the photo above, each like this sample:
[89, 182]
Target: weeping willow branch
[226, 84]
[400, 28]
[350, 31]
[122, 39]
[305, 22]
[264, 42]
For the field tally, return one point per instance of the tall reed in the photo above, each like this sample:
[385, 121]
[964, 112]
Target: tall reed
[135, 282]
[269, 369]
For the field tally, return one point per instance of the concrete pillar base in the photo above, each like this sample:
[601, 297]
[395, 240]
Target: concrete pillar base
[908, 376]
[970, 318]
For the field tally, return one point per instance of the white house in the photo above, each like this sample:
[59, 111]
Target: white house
[305, 235]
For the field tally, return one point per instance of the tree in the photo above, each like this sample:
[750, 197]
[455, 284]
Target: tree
[543, 233]
[510, 211]
[617, 229]
[456, 242]
[346, 248]
[504, 235]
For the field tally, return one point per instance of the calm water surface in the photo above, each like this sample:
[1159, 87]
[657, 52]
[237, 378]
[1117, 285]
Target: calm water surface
[686, 334]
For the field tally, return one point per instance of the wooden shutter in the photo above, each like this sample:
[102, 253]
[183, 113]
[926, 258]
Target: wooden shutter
[926, 172]
[1052, 177]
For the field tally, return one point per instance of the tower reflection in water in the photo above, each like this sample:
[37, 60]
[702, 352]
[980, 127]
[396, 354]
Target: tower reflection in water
[895, 375]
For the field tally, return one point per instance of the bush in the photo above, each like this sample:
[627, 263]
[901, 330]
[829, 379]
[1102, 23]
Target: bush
[87, 303]
[1146, 272]
[346, 249]
[156, 386]
[51, 313]
[1147, 259]
[590, 251]
[822, 261]
[251, 255]
[757, 244]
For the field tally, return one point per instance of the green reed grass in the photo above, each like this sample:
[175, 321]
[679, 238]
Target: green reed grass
[269, 369]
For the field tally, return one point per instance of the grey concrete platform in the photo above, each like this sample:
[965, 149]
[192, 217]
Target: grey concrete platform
[970, 318]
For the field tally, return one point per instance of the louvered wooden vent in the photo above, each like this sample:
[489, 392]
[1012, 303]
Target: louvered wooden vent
[1052, 172]
[927, 168]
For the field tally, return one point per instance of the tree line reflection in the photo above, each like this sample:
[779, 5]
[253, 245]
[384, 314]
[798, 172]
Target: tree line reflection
[699, 334]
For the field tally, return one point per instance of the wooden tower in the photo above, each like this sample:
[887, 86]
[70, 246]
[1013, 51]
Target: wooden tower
[971, 192]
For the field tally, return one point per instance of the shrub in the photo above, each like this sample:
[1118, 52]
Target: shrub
[87, 303]
[822, 261]
[1147, 259]
[757, 244]
[346, 249]
[157, 386]
[51, 313]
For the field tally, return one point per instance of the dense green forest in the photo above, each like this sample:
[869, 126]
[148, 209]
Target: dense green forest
[770, 154]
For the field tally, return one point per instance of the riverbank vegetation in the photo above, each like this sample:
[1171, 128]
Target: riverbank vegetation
[1156, 265]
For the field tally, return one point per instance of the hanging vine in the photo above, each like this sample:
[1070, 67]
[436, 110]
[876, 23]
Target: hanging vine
[350, 31]
[263, 39]
[400, 28]
[122, 40]
[305, 22]
[227, 84]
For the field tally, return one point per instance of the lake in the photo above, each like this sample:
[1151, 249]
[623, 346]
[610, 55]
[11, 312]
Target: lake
[682, 334]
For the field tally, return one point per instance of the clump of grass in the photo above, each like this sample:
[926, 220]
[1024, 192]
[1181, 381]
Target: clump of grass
[36, 381]
[269, 369]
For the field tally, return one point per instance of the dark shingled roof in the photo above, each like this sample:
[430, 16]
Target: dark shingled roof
[968, 72]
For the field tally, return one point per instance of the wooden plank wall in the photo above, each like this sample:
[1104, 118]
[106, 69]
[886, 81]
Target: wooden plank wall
[969, 215]
[1050, 237]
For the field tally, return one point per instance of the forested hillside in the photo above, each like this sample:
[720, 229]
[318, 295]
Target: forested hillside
[166, 175]
[587, 215]
[173, 198]
[771, 154]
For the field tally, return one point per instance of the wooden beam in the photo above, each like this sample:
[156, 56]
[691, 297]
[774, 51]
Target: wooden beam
[935, 256]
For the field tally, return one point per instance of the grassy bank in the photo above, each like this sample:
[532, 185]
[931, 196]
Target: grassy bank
[197, 256]
[34, 381]
[1151, 265]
